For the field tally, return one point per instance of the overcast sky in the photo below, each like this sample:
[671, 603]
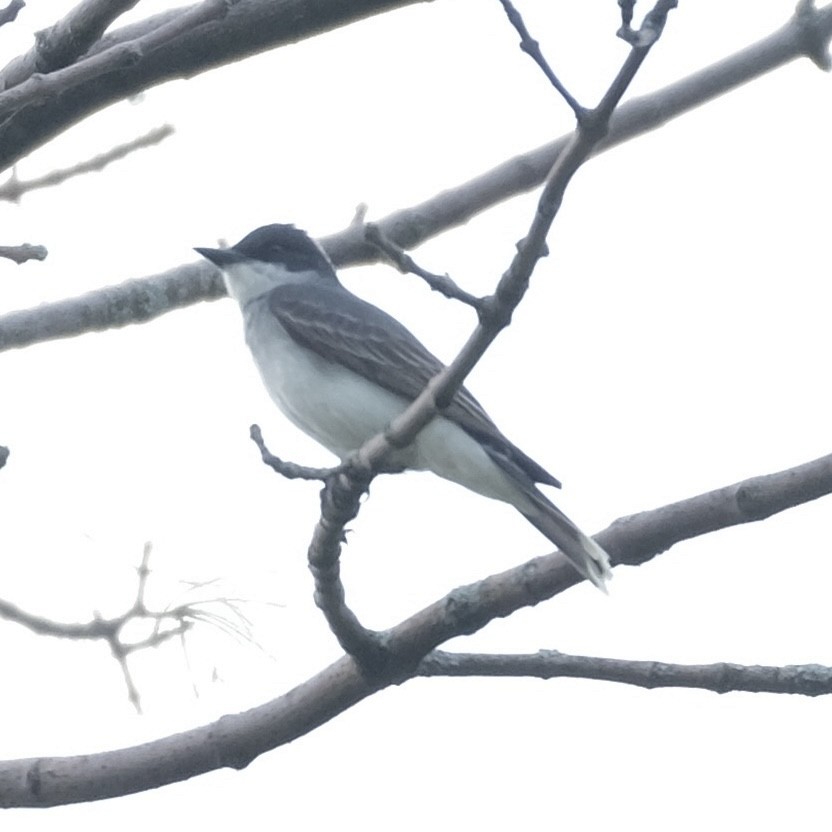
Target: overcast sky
[676, 340]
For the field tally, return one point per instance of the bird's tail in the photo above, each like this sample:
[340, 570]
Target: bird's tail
[582, 551]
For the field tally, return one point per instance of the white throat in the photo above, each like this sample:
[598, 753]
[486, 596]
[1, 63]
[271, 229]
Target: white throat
[251, 279]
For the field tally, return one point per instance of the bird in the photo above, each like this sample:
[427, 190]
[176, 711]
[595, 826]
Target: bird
[341, 369]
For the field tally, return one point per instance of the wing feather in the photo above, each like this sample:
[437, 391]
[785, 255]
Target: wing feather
[342, 328]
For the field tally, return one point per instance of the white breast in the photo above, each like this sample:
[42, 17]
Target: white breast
[332, 404]
[342, 410]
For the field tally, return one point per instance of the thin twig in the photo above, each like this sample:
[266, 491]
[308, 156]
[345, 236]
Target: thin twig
[651, 27]
[366, 646]
[721, 677]
[532, 48]
[167, 624]
[627, 7]
[407, 265]
[290, 470]
[22, 253]
[143, 571]
[13, 188]
[120, 655]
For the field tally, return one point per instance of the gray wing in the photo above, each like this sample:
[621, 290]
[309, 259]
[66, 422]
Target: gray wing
[342, 328]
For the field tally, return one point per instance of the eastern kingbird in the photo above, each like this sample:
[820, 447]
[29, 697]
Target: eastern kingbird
[341, 369]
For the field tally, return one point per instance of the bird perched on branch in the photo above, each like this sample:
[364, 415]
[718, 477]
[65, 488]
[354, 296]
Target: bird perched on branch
[341, 369]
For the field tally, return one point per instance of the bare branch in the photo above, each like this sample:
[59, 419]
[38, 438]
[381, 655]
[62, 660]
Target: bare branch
[627, 7]
[237, 739]
[651, 27]
[340, 500]
[497, 310]
[364, 645]
[133, 695]
[289, 470]
[143, 572]
[41, 87]
[13, 188]
[339, 505]
[22, 253]
[174, 621]
[802, 679]
[744, 502]
[10, 12]
[250, 28]
[143, 299]
[808, 20]
[410, 227]
[68, 39]
[441, 283]
[130, 302]
[161, 48]
[532, 48]
[95, 629]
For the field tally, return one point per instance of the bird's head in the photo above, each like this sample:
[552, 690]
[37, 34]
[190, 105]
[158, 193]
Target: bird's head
[267, 257]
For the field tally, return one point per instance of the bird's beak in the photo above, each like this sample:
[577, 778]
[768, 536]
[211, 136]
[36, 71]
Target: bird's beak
[220, 257]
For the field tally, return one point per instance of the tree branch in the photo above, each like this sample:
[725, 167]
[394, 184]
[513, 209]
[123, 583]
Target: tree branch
[410, 227]
[802, 679]
[255, 26]
[42, 87]
[364, 645]
[171, 622]
[133, 301]
[117, 68]
[743, 502]
[13, 188]
[143, 299]
[626, 12]
[235, 740]
[441, 283]
[339, 505]
[11, 11]
[68, 39]
[340, 500]
[288, 470]
[532, 48]
[22, 253]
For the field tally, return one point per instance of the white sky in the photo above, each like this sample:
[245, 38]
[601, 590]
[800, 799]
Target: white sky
[676, 340]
